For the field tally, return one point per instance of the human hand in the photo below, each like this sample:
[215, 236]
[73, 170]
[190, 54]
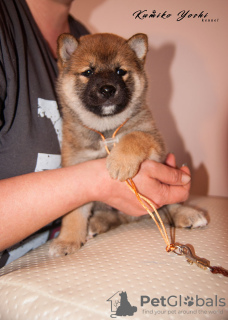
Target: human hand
[170, 184]
[161, 183]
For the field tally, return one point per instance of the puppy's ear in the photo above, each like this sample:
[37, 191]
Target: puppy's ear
[139, 44]
[66, 46]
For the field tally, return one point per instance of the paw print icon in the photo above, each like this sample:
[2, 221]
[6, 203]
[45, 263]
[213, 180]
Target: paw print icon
[188, 301]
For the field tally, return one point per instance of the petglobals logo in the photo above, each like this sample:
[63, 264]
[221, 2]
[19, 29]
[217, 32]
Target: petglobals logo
[179, 301]
[182, 305]
[120, 306]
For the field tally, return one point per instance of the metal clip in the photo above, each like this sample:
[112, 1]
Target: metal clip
[191, 257]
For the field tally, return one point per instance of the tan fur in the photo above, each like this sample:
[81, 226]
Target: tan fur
[135, 147]
[108, 69]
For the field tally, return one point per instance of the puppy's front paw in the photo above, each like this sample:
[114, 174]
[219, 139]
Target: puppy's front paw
[60, 247]
[122, 167]
[188, 217]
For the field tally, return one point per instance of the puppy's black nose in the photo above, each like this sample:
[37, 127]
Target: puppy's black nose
[107, 91]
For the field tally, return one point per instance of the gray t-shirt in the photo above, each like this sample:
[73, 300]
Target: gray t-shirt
[30, 121]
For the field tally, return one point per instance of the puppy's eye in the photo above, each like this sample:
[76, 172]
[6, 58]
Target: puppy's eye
[87, 73]
[121, 72]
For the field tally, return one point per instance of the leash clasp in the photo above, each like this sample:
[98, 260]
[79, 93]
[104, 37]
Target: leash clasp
[191, 257]
[109, 142]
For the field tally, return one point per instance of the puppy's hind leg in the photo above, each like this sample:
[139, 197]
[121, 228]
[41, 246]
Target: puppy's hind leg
[73, 232]
[106, 218]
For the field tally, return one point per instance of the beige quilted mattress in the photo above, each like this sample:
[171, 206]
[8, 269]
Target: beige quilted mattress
[125, 270]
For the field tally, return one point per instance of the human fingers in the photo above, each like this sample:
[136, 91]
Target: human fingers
[171, 160]
[185, 169]
[175, 193]
[160, 193]
[166, 174]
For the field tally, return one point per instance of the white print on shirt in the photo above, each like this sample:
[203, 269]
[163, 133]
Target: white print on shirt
[49, 109]
[47, 162]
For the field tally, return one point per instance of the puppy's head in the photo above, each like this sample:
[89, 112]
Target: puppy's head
[102, 76]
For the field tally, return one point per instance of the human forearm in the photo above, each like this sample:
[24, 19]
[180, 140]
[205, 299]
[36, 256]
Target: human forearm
[31, 201]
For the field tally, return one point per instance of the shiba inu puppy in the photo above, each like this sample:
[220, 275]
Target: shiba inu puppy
[101, 84]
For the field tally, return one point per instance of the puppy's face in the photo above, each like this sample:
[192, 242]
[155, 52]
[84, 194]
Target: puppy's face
[101, 75]
[106, 93]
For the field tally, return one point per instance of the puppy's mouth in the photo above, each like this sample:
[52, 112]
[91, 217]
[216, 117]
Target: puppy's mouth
[105, 110]
[108, 110]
